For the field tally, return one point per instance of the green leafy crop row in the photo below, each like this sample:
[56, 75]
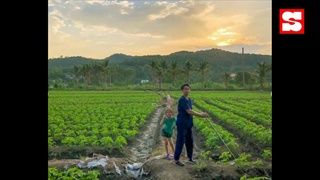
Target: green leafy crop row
[211, 131]
[106, 119]
[244, 112]
[264, 109]
[246, 128]
[72, 174]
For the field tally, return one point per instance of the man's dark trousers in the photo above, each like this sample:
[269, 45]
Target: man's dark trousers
[184, 136]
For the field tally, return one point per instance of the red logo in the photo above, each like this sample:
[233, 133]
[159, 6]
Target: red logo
[291, 21]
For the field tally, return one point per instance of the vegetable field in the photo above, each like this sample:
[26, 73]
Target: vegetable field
[238, 129]
[238, 115]
[72, 173]
[110, 119]
[107, 119]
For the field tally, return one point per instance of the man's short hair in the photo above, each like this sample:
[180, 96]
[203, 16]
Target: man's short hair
[184, 85]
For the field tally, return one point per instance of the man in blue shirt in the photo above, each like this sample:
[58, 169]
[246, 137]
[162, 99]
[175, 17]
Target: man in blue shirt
[184, 125]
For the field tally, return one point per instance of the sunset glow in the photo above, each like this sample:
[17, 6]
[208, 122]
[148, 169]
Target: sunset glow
[100, 28]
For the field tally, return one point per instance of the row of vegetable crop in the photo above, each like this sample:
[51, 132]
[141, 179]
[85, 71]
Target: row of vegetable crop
[74, 121]
[254, 108]
[213, 132]
[245, 112]
[259, 104]
[246, 95]
[73, 173]
[246, 128]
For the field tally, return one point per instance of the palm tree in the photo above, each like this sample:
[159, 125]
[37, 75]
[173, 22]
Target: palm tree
[173, 71]
[203, 68]
[262, 70]
[161, 72]
[104, 69]
[95, 70]
[187, 69]
[110, 70]
[77, 73]
[226, 78]
[86, 71]
[101, 71]
[158, 71]
[154, 68]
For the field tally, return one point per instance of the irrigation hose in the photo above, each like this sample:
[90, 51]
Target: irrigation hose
[221, 138]
[211, 123]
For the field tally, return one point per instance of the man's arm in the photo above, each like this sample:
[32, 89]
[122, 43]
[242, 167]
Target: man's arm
[200, 114]
[188, 109]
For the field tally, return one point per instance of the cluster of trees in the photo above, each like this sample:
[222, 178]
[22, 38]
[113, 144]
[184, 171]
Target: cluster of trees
[162, 69]
[248, 78]
[95, 73]
[169, 72]
[207, 69]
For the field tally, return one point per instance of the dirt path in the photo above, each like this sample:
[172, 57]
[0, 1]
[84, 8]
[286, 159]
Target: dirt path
[159, 146]
[163, 169]
[141, 148]
[160, 168]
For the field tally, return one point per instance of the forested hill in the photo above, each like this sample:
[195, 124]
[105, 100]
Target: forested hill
[220, 61]
[69, 62]
[220, 58]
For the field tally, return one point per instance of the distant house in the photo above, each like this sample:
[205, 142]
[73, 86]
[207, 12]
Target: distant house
[68, 76]
[144, 81]
[233, 76]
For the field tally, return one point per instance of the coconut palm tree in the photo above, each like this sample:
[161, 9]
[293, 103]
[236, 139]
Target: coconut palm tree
[86, 72]
[162, 70]
[187, 70]
[105, 73]
[111, 72]
[154, 67]
[262, 70]
[173, 71]
[226, 78]
[203, 68]
[77, 74]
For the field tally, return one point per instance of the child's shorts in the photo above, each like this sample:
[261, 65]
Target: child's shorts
[165, 134]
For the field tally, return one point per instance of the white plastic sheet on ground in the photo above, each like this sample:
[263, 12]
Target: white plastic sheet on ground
[117, 168]
[135, 170]
[93, 163]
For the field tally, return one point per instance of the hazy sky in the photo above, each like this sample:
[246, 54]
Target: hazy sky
[100, 28]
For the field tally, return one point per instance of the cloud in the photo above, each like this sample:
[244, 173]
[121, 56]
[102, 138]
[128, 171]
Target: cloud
[122, 11]
[95, 1]
[223, 36]
[120, 3]
[160, 27]
[126, 4]
[262, 48]
[169, 9]
[56, 21]
[225, 42]
[101, 31]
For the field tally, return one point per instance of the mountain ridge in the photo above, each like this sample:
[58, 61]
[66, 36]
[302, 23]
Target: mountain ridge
[220, 61]
[120, 57]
